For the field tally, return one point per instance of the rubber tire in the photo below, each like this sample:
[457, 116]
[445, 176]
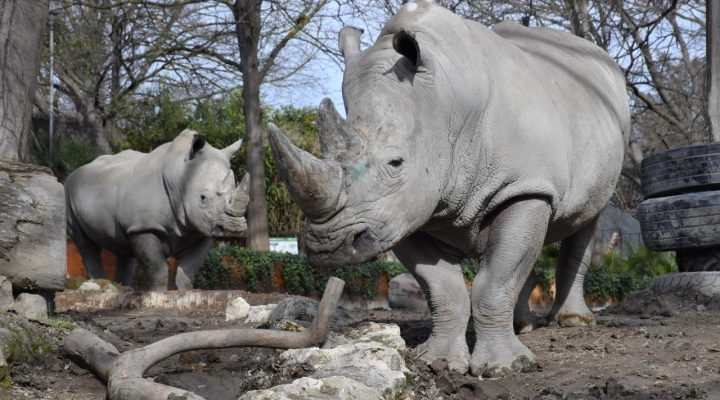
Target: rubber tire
[686, 169]
[698, 260]
[706, 283]
[679, 222]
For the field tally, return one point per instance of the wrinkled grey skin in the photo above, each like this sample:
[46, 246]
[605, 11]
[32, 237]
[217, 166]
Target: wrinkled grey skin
[461, 140]
[170, 202]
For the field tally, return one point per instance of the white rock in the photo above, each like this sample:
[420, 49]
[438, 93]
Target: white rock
[238, 309]
[90, 287]
[31, 306]
[385, 334]
[6, 295]
[258, 315]
[110, 288]
[379, 367]
[334, 387]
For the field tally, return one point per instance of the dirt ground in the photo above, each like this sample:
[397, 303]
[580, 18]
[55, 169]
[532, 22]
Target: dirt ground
[650, 347]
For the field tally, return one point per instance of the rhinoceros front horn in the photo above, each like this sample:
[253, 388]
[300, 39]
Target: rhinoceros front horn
[313, 184]
[238, 199]
[336, 139]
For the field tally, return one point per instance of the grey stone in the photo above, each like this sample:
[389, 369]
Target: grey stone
[31, 306]
[385, 334]
[304, 309]
[405, 292]
[238, 309]
[6, 294]
[33, 254]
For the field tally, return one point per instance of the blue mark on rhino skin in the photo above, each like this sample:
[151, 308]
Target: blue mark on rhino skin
[355, 173]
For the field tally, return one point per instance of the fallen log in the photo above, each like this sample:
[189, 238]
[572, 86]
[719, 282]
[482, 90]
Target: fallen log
[124, 372]
[181, 300]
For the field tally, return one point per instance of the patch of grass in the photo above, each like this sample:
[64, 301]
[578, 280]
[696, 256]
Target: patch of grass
[42, 347]
[6, 383]
[61, 323]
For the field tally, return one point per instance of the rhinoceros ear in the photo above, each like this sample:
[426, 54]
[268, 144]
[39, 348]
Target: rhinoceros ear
[405, 44]
[232, 150]
[198, 143]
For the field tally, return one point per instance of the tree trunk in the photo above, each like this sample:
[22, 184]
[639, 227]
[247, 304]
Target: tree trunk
[579, 17]
[247, 19]
[713, 68]
[33, 241]
[22, 29]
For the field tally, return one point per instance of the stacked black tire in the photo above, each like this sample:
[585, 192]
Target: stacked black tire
[681, 211]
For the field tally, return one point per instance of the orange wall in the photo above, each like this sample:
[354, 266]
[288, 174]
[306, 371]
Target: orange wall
[76, 269]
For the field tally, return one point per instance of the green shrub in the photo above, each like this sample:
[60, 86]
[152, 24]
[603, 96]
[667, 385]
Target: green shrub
[258, 270]
[70, 151]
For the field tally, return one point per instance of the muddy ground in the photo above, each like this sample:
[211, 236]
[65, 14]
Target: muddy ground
[650, 347]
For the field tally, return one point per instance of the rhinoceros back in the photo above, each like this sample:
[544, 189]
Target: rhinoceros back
[117, 195]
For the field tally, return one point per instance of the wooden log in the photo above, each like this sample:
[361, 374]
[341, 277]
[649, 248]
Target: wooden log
[32, 227]
[124, 372]
[182, 300]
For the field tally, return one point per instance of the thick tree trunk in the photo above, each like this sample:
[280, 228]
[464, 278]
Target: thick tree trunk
[713, 68]
[22, 28]
[33, 241]
[247, 18]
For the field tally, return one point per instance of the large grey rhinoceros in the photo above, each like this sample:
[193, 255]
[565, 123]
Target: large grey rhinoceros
[170, 202]
[461, 140]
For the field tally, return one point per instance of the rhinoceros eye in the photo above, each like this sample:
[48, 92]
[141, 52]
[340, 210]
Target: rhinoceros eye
[396, 162]
[202, 197]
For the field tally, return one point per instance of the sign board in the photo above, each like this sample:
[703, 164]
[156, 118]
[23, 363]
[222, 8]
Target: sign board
[284, 245]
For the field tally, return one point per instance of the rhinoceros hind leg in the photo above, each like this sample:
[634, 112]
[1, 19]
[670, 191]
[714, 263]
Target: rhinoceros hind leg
[523, 320]
[444, 287]
[569, 308]
[189, 262]
[90, 253]
[148, 250]
[515, 237]
[124, 270]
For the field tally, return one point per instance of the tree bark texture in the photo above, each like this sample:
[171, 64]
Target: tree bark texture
[124, 372]
[579, 17]
[33, 240]
[247, 29]
[713, 68]
[22, 29]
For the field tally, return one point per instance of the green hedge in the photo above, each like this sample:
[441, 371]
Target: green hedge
[258, 269]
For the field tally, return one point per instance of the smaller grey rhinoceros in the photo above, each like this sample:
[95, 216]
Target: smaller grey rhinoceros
[149, 206]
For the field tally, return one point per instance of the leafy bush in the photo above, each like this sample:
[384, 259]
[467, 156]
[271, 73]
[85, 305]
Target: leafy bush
[226, 266]
[70, 151]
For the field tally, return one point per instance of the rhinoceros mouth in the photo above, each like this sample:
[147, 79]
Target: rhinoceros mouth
[360, 244]
[230, 227]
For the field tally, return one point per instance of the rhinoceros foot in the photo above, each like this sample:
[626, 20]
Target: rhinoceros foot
[573, 319]
[454, 351]
[500, 357]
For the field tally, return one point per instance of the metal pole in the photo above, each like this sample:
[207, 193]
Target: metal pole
[52, 89]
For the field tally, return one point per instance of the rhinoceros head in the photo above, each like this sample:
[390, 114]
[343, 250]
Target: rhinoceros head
[382, 171]
[201, 186]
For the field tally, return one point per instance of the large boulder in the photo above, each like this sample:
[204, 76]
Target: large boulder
[405, 292]
[33, 240]
[31, 306]
[330, 388]
[303, 311]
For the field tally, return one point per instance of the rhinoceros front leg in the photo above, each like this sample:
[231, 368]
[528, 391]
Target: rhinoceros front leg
[149, 251]
[189, 261]
[515, 237]
[569, 308]
[446, 293]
